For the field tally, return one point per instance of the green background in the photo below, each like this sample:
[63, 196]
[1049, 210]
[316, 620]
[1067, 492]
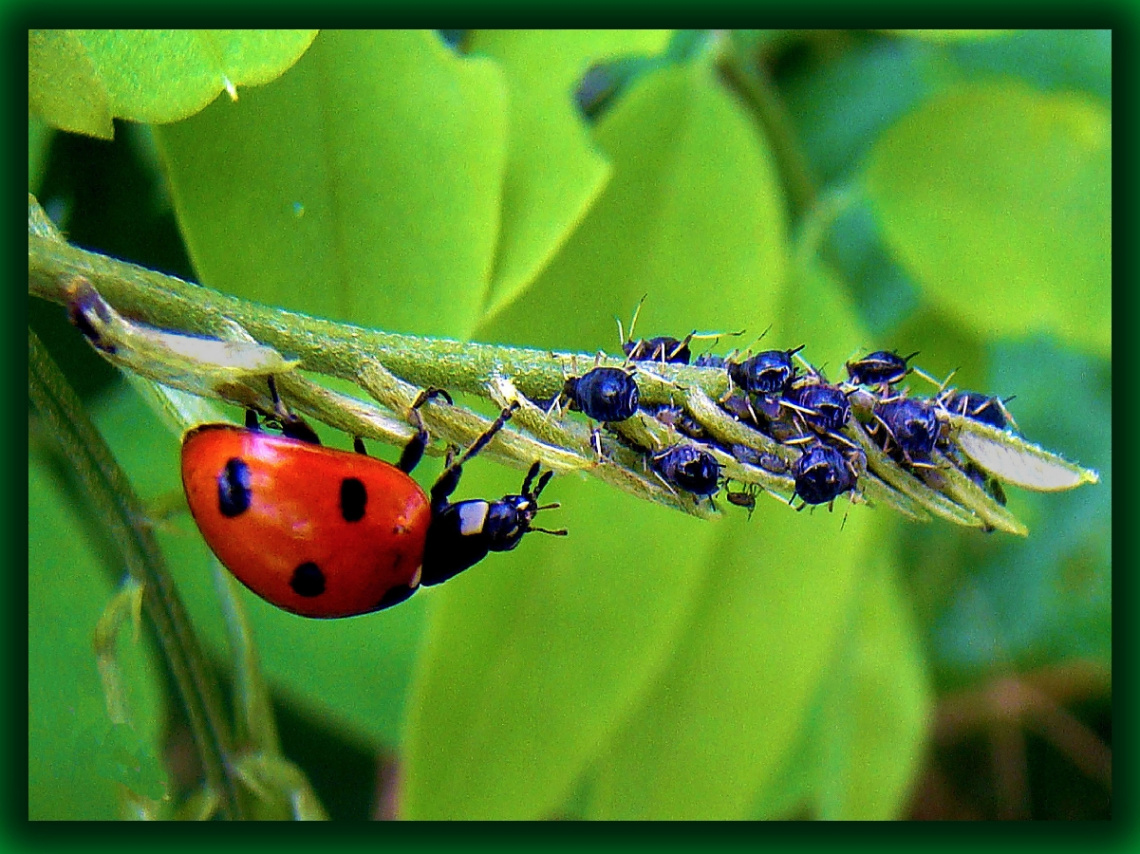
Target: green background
[858, 191]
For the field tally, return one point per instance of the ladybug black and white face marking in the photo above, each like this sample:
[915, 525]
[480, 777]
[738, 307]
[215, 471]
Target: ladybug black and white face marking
[879, 367]
[604, 394]
[463, 533]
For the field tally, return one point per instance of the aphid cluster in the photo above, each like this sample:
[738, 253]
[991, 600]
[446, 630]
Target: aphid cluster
[807, 419]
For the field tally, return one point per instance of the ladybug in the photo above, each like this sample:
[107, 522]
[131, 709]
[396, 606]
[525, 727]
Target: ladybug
[912, 424]
[768, 372]
[822, 474]
[691, 468]
[603, 394]
[328, 533]
[880, 367]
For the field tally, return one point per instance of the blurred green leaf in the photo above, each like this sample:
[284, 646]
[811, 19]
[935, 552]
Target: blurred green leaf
[79, 80]
[1017, 605]
[1048, 59]
[721, 719]
[531, 662]
[553, 171]
[39, 143]
[942, 36]
[693, 216]
[524, 680]
[875, 704]
[77, 758]
[1004, 240]
[364, 185]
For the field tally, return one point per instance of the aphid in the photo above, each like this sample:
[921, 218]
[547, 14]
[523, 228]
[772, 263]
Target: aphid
[603, 394]
[745, 498]
[912, 425]
[660, 349]
[880, 367]
[688, 467]
[768, 372]
[822, 474]
[980, 407]
[825, 407]
[680, 420]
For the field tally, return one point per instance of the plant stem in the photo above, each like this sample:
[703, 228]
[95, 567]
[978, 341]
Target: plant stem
[125, 517]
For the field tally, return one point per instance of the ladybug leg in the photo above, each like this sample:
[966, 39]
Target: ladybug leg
[414, 450]
[251, 422]
[358, 445]
[449, 479]
[292, 426]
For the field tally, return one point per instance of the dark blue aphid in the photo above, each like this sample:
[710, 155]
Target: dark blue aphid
[604, 394]
[824, 407]
[912, 424]
[881, 366]
[686, 466]
[660, 349]
[822, 474]
[988, 410]
[769, 372]
[678, 419]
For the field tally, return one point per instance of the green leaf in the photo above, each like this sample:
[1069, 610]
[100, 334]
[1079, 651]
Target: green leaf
[875, 705]
[941, 36]
[997, 200]
[693, 215]
[364, 185]
[39, 144]
[77, 758]
[723, 717]
[553, 171]
[79, 80]
[533, 658]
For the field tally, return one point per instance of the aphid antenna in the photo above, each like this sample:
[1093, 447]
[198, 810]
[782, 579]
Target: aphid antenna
[843, 440]
[632, 322]
[941, 386]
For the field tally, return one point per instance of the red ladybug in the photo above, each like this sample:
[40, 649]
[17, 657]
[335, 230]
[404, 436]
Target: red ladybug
[328, 533]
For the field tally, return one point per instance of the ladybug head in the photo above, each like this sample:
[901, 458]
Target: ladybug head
[510, 517]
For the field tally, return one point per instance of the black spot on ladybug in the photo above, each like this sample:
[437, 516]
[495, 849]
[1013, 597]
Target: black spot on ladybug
[353, 499]
[233, 488]
[394, 596]
[308, 580]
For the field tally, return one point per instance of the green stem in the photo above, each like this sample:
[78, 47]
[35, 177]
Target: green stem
[125, 518]
[323, 346]
[755, 88]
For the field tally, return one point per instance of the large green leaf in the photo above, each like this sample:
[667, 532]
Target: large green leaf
[79, 80]
[533, 658]
[553, 171]
[719, 722]
[364, 185]
[874, 708]
[693, 216]
[997, 199]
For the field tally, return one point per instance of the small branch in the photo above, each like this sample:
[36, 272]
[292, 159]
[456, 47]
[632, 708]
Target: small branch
[125, 517]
